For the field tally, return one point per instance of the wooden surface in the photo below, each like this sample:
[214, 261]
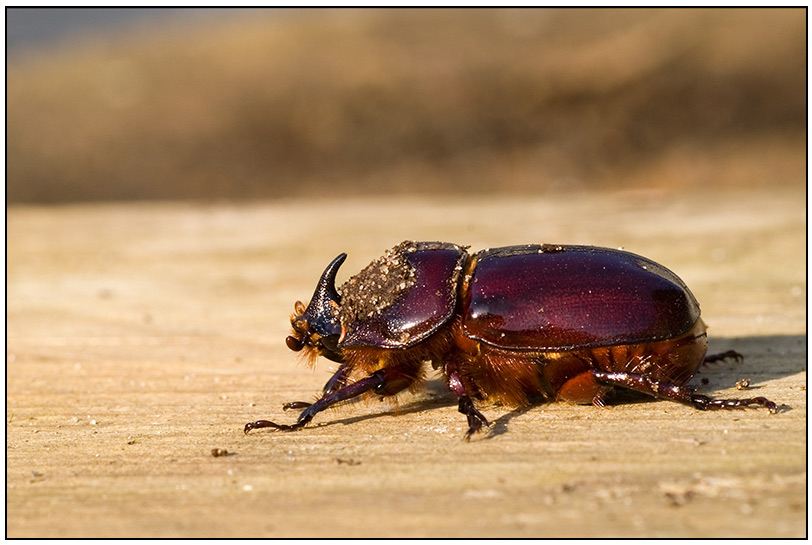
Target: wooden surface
[141, 337]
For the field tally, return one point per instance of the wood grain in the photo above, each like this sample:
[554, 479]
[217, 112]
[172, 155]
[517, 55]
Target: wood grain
[141, 337]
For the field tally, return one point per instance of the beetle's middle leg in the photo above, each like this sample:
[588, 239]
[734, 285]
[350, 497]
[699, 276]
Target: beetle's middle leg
[388, 381]
[680, 394]
[466, 406]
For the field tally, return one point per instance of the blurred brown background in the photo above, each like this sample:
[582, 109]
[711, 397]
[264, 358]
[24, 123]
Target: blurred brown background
[244, 104]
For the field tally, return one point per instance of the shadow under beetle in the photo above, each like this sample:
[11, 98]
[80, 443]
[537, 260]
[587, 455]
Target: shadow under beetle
[505, 324]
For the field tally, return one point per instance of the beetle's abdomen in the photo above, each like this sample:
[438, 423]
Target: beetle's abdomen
[567, 297]
[673, 361]
[510, 376]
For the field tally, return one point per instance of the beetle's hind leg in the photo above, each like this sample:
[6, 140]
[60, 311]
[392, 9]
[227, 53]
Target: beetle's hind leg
[706, 403]
[680, 394]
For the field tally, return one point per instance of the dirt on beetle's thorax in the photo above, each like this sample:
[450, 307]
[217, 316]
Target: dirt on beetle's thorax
[377, 286]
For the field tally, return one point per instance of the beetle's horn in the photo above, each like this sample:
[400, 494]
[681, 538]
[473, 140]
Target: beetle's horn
[319, 314]
[326, 288]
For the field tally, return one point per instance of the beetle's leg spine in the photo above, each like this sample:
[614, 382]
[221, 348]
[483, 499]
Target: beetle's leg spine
[338, 380]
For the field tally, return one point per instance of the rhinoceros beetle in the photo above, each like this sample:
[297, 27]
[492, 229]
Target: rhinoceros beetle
[506, 325]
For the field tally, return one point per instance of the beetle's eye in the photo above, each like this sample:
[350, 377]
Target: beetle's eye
[299, 308]
[294, 343]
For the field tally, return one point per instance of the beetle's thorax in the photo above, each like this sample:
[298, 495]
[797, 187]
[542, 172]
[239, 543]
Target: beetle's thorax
[401, 298]
[378, 285]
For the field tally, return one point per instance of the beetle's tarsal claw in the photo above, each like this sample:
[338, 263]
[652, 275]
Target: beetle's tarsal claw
[268, 424]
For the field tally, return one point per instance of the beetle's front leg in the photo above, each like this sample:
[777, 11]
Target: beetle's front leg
[383, 382]
[466, 406]
[375, 381]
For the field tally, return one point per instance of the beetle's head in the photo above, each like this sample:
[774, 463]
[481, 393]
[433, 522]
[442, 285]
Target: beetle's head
[316, 328]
